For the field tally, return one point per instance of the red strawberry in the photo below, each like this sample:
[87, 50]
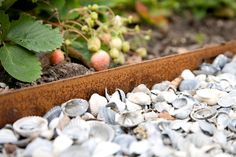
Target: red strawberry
[100, 60]
[56, 57]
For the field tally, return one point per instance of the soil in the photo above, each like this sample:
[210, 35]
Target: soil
[182, 35]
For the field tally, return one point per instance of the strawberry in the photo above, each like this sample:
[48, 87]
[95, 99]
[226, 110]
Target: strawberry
[56, 57]
[100, 60]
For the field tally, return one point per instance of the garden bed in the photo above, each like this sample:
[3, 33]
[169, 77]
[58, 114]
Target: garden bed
[37, 100]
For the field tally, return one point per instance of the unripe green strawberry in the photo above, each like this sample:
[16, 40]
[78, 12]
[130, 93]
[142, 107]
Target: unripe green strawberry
[89, 21]
[85, 28]
[67, 42]
[116, 43]
[125, 46]
[56, 57]
[114, 53]
[94, 44]
[105, 37]
[94, 7]
[94, 15]
[120, 59]
[142, 52]
[100, 60]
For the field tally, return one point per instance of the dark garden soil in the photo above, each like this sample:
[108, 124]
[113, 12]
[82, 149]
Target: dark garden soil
[182, 35]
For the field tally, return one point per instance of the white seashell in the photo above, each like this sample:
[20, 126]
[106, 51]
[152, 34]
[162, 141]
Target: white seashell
[100, 131]
[168, 96]
[130, 119]
[139, 147]
[7, 136]
[61, 143]
[132, 106]
[162, 106]
[226, 101]
[75, 107]
[117, 105]
[87, 116]
[42, 152]
[77, 130]
[54, 123]
[105, 149]
[139, 98]
[220, 137]
[96, 101]
[53, 113]
[201, 77]
[124, 140]
[163, 86]
[141, 88]
[107, 115]
[187, 74]
[189, 85]
[76, 150]
[30, 126]
[210, 96]
[38, 144]
[149, 116]
[207, 127]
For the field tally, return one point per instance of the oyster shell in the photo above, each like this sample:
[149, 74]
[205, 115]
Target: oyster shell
[75, 107]
[30, 126]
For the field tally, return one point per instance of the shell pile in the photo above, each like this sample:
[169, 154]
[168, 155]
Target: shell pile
[192, 116]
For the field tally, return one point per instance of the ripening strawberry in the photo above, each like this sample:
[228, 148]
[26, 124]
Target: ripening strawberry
[100, 60]
[56, 57]
[116, 43]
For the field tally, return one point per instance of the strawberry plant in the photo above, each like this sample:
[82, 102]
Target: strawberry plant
[20, 42]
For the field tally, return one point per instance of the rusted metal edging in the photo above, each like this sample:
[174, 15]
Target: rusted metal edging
[37, 100]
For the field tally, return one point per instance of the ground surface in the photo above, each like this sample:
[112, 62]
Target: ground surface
[182, 35]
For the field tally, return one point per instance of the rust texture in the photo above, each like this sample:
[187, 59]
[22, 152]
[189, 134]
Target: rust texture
[37, 100]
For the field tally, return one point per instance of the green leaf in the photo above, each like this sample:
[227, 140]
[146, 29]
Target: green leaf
[20, 63]
[34, 36]
[6, 4]
[83, 49]
[4, 25]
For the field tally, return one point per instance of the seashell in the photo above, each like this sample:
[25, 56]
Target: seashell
[230, 68]
[149, 116]
[162, 106]
[139, 147]
[199, 139]
[207, 127]
[220, 61]
[101, 131]
[38, 144]
[117, 96]
[107, 115]
[141, 88]
[222, 120]
[47, 134]
[210, 96]
[179, 102]
[189, 85]
[163, 86]
[96, 101]
[117, 105]
[208, 69]
[75, 107]
[124, 140]
[139, 98]
[105, 149]
[182, 113]
[132, 106]
[77, 130]
[75, 150]
[226, 101]
[53, 113]
[230, 78]
[187, 74]
[174, 84]
[220, 137]
[232, 125]
[87, 116]
[7, 136]
[203, 113]
[130, 119]
[61, 143]
[168, 96]
[30, 126]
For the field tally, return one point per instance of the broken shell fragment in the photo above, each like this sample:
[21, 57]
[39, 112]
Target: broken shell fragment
[30, 126]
